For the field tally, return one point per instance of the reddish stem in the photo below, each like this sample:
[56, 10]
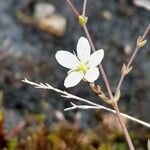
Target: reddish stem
[100, 65]
[133, 56]
[105, 80]
[76, 13]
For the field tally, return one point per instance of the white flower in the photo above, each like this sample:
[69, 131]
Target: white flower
[83, 65]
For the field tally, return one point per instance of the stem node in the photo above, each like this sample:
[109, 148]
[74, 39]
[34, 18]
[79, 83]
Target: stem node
[141, 42]
[82, 20]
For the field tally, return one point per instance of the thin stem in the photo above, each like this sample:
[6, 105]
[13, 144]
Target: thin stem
[84, 7]
[107, 109]
[91, 104]
[146, 32]
[100, 66]
[76, 13]
[120, 81]
[109, 90]
[133, 57]
[93, 48]
[123, 126]
[137, 48]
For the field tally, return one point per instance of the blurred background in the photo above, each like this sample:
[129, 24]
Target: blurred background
[31, 32]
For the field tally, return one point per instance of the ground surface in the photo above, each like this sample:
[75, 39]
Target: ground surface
[28, 52]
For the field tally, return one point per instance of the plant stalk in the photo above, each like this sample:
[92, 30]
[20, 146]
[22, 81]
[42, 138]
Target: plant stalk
[105, 80]
[133, 56]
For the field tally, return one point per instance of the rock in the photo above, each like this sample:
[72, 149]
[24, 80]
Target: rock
[55, 24]
[43, 10]
[45, 18]
[143, 3]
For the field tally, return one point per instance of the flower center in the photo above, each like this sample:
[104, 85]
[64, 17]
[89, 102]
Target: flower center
[83, 67]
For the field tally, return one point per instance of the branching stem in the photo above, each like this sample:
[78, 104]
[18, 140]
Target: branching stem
[133, 56]
[106, 84]
[91, 105]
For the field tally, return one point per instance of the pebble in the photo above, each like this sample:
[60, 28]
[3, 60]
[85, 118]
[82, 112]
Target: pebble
[49, 21]
[43, 10]
[56, 25]
[143, 3]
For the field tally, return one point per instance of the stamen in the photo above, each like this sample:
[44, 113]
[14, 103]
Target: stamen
[83, 68]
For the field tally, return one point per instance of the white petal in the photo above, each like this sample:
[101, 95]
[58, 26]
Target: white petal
[67, 59]
[73, 79]
[96, 58]
[92, 74]
[83, 49]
